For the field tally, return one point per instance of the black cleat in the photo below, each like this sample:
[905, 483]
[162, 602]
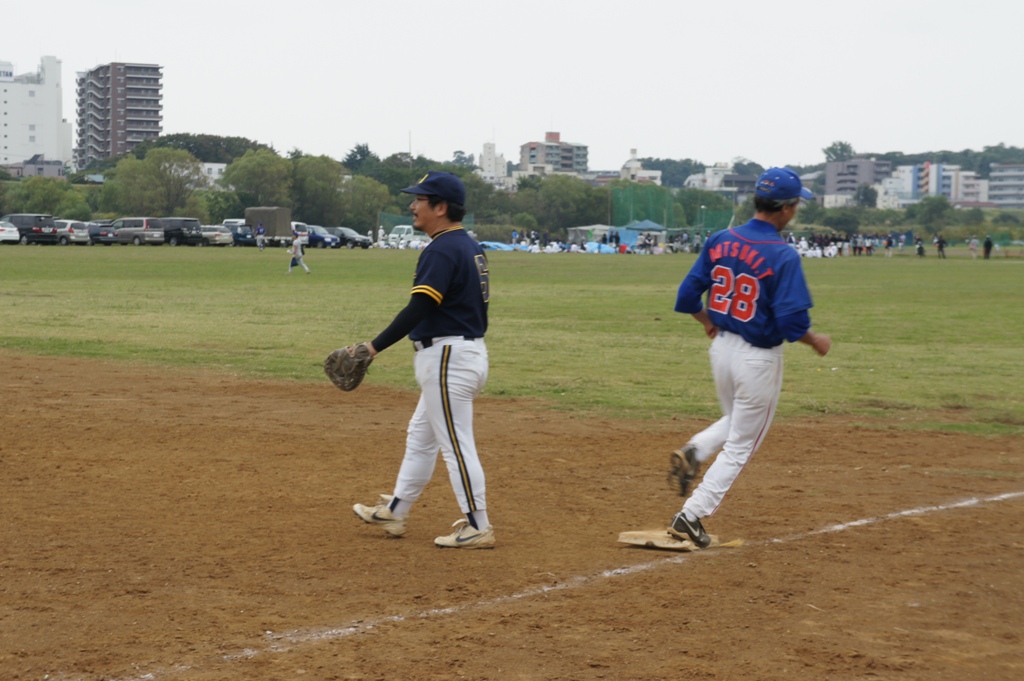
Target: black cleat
[683, 468]
[682, 528]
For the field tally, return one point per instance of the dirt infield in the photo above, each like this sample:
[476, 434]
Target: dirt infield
[172, 525]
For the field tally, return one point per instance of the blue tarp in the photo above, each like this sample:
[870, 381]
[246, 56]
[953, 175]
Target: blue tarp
[496, 246]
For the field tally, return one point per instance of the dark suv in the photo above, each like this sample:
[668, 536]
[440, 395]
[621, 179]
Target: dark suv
[35, 228]
[182, 231]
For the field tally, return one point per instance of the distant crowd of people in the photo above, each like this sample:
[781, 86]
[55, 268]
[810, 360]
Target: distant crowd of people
[831, 245]
[835, 245]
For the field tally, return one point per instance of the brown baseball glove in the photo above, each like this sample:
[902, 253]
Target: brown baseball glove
[346, 367]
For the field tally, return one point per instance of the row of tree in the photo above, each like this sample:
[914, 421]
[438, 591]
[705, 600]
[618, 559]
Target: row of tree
[166, 177]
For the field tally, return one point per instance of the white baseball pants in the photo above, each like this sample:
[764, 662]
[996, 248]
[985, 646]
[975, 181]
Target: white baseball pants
[451, 373]
[748, 380]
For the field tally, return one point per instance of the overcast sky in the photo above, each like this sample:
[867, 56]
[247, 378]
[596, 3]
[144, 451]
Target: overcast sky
[772, 82]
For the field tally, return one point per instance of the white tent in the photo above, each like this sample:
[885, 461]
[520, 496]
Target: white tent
[581, 235]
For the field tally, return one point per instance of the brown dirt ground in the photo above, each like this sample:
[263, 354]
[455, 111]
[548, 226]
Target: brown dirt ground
[160, 524]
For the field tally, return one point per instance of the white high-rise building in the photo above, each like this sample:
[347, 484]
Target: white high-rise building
[31, 114]
[493, 169]
[492, 164]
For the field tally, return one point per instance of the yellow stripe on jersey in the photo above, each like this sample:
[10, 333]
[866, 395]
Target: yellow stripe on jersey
[430, 292]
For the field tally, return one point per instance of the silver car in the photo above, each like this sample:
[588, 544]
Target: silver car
[139, 231]
[217, 235]
[72, 232]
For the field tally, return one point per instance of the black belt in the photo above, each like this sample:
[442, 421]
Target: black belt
[429, 342]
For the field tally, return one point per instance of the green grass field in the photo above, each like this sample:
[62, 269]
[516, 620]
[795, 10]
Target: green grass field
[588, 334]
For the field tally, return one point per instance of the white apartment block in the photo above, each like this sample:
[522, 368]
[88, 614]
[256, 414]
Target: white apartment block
[909, 184]
[31, 114]
[885, 200]
[951, 181]
[837, 200]
[214, 172]
[1006, 185]
[968, 187]
[492, 165]
[634, 171]
[712, 178]
[899, 190]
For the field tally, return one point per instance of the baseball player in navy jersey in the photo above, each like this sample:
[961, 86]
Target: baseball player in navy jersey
[446, 320]
[757, 298]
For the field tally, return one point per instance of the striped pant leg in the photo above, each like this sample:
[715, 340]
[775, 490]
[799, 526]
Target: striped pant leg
[451, 376]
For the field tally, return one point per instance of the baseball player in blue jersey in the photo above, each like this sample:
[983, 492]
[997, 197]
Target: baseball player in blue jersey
[446, 320]
[756, 299]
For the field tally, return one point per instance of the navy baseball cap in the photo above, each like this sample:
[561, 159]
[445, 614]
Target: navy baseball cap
[446, 186]
[781, 184]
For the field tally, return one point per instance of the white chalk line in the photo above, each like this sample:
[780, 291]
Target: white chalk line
[284, 642]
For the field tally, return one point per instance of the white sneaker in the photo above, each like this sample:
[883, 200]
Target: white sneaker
[467, 537]
[381, 516]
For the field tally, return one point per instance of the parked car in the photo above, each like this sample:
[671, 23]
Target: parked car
[350, 238]
[182, 231]
[315, 236]
[318, 237]
[72, 232]
[138, 231]
[406, 233]
[9, 233]
[217, 235]
[243, 235]
[34, 228]
[102, 233]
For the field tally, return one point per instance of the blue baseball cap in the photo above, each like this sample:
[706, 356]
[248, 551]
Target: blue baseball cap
[446, 186]
[781, 184]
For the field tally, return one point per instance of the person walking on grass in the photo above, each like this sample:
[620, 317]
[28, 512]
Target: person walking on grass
[297, 252]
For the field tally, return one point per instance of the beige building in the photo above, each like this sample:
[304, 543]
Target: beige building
[563, 157]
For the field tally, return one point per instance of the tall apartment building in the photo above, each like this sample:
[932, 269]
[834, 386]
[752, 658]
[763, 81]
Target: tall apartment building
[1006, 185]
[563, 157]
[492, 164]
[31, 114]
[119, 106]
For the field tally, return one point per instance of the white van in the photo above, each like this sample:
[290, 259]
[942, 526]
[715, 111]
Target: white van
[407, 233]
[301, 232]
[399, 232]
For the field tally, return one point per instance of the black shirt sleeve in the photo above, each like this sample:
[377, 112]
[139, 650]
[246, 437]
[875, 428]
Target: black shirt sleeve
[420, 305]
